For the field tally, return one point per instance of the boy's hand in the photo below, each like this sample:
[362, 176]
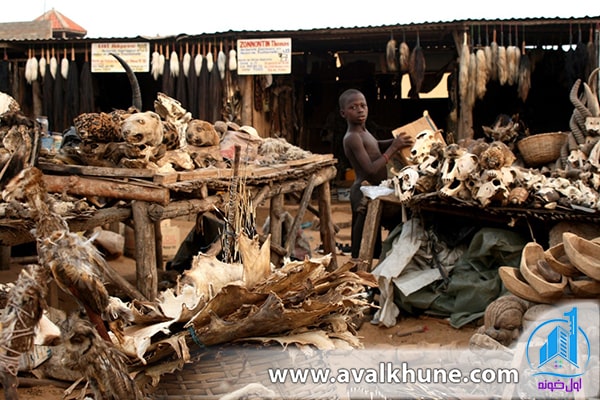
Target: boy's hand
[402, 140]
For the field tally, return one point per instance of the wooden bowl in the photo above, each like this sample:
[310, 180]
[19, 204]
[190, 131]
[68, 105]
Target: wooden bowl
[583, 254]
[532, 254]
[516, 284]
[558, 260]
[586, 287]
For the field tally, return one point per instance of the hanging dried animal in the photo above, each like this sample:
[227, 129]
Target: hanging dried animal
[513, 56]
[232, 59]
[416, 70]
[221, 61]
[482, 74]
[404, 56]
[174, 63]
[42, 64]
[156, 68]
[31, 68]
[186, 61]
[524, 81]
[64, 65]
[463, 69]
[390, 54]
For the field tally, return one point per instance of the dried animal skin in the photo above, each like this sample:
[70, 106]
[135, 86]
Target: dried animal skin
[524, 74]
[404, 56]
[390, 55]
[513, 55]
[502, 64]
[482, 74]
[174, 64]
[463, 77]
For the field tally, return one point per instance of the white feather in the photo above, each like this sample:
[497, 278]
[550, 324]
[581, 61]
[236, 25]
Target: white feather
[198, 63]
[42, 66]
[209, 62]
[161, 64]
[174, 64]
[64, 67]
[232, 60]
[187, 60]
[156, 71]
[53, 66]
[221, 60]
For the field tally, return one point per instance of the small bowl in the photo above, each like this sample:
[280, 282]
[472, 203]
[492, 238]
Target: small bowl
[516, 284]
[584, 254]
[532, 254]
[585, 287]
[557, 259]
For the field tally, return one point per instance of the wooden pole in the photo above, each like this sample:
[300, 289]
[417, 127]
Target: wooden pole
[290, 242]
[145, 250]
[326, 226]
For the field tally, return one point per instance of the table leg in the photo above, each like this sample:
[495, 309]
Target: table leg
[145, 250]
[372, 224]
[326, 227]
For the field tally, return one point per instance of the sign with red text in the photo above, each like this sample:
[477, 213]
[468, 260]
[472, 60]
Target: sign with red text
[137, 56]
[264, 56]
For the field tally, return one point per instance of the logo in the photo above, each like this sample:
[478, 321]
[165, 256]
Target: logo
[559, 353]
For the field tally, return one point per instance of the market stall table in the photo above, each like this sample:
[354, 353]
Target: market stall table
[150, 197]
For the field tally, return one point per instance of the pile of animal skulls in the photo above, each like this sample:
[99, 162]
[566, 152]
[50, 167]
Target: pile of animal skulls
[491, 174]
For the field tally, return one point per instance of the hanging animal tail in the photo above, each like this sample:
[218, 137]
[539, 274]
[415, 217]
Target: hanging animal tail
[136, 93]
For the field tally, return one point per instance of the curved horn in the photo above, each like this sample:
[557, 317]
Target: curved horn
[136, 94]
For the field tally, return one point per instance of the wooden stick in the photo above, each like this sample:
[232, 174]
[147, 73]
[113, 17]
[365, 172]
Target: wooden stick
[77, 185]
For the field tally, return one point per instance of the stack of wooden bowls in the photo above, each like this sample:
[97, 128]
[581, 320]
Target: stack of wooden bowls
[569, 269]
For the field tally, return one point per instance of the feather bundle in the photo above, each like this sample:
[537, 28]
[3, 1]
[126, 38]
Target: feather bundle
[390, 55]
[502, 65]
[210, 62]
[174, 64]
[42, 65]
[155, 65]
[198, 63]
[232, 60]
[31, 69]
[404, 56]
[187, 61]
[221, 62]
[53, 66]
[482, 74]
[64, 67]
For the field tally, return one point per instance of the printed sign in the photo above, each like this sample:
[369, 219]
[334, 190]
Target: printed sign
[137, 56]
[264, 56]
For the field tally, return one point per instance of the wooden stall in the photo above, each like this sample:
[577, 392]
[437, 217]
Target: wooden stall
[148, 198]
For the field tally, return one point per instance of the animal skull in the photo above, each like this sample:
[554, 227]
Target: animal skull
[404, 183]
[144, 131]
[492, 191]
[424, 141]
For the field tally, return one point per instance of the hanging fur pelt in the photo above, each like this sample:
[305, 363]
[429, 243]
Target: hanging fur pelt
[463, 69]
[416, 70]
[221, 61]
[390, 55]
[42, 64]
[482, 74]
[31, 68]
[198, 61]
[512, 64]
[494, 57]
[155, 64]
[404, 57]
[502, 65]
[524, 83]
[472, 83]
[187, 61]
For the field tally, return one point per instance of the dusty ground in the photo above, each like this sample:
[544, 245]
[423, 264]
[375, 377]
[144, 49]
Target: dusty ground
[429, 330]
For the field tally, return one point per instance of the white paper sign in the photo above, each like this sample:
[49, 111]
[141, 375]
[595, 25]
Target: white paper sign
[137, 56]
[264, 56]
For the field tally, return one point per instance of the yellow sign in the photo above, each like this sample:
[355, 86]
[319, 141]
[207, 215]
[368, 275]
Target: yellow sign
[264, 56]
[137, 56]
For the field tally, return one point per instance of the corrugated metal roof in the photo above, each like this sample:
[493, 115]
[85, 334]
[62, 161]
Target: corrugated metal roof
[30, 30]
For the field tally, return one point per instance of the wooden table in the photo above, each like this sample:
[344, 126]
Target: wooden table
[151, 197]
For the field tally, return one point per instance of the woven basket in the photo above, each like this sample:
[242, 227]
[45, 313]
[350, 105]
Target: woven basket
[542, 148]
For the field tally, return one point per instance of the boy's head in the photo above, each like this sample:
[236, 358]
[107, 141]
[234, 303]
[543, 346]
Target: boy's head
[347, 95]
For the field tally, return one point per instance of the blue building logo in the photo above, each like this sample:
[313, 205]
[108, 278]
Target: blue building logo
[559, 348]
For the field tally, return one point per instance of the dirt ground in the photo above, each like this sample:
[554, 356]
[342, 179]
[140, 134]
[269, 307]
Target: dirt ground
[409, 331]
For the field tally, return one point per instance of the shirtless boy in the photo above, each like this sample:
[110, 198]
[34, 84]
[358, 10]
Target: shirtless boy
[367, 155]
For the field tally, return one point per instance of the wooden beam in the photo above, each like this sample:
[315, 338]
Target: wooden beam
[145, 250]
